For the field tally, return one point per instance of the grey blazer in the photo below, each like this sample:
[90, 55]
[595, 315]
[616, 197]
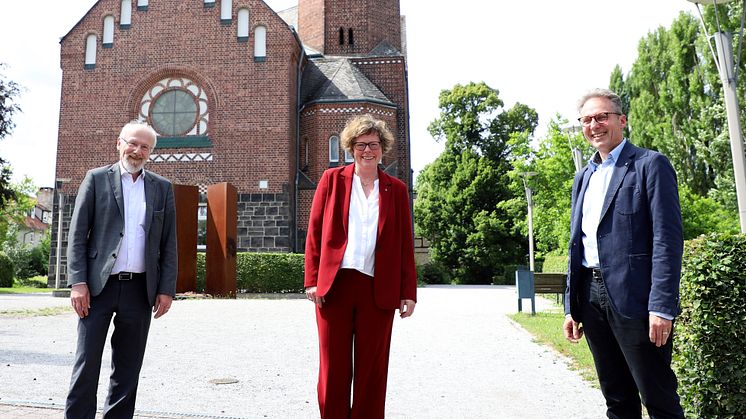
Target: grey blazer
[97, 228]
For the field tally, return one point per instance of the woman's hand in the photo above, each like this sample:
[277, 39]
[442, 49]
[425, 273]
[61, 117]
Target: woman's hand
[311, 295]
[406, 308]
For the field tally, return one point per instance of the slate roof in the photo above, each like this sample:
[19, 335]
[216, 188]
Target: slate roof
[336, 79]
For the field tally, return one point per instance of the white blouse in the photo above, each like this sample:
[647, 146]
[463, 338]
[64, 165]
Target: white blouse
[362, 229]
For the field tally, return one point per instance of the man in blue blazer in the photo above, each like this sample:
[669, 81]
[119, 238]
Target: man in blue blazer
[626, 245]
[121, 257]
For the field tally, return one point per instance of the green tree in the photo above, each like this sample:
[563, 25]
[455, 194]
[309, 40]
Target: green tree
[464, 203]
[9, 92]
[13, 214]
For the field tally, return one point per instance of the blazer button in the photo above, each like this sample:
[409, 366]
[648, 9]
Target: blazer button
[113, 255]
[121, 234]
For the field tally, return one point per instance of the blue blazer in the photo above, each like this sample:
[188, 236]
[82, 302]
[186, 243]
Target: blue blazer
[640, 236]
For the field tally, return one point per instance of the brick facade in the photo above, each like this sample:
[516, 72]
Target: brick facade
[257, 133]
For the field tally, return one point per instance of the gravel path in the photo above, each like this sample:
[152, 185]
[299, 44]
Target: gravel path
[459, 356]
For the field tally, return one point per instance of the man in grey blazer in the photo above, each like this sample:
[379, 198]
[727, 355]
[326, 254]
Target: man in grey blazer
[626, 245]
[122, 263]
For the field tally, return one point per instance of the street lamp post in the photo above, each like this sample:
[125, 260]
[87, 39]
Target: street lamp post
[729, 77]
[530, 202]
[61, 206]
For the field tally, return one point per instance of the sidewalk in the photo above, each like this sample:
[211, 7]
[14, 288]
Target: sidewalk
[459, 356]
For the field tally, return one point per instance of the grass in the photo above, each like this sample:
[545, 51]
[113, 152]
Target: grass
[24, 290]
[546, 327]
[46, 311]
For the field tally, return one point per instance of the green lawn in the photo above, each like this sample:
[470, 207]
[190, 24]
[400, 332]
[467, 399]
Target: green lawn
[24, 290]
[546, 327]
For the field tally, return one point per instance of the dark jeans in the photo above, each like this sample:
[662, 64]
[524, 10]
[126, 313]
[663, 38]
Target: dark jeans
[629, 366]
[129, 300]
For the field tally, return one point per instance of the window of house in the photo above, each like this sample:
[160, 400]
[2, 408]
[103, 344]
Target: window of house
[209, 3]
[108, 41]
[243, 25]
[142, 4]
[90, 52]
[260, 43]
[125, 14]
[349, 158]
[350, 37]
[176, 107]
[341, 36]
[333, 149]
[226, 11]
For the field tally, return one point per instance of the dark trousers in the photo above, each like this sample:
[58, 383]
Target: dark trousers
[354, 342]
[629, 366]
[129, 300]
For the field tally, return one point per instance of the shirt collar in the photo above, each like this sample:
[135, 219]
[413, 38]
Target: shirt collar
[613, 156]
[123, 171]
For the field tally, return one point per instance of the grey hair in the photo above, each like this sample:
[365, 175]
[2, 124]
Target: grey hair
[615, 100]
[137, 123]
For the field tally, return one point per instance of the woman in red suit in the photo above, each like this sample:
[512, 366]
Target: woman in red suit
[359, 270]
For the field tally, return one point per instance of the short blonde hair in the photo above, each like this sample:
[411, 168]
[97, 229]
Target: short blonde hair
[365, 124]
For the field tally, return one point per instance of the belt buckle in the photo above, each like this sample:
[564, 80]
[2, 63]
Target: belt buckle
[125, 276]
[597, 273]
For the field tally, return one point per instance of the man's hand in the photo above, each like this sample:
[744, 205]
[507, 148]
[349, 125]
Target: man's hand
[80, 299]
[162, 305]
[573, 330]
[406, 308]
[660, 330]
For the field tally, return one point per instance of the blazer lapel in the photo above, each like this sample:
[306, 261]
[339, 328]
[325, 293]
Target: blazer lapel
[149, 185]
[385, 200]
[115, 181]
[620, 169]
[578, 210]
[344, 193]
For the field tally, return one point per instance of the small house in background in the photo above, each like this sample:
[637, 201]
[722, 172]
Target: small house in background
[38, 221]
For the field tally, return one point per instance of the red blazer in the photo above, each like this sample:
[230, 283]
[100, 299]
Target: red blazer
[395, 275]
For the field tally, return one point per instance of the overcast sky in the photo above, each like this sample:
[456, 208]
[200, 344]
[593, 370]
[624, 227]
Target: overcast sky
[543, 53]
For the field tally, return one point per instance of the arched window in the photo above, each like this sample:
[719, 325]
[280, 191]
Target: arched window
[226, 11]
[260, 43]
[125, 14]
[341, 36]
[349, 158]
[243, 25]
[108, 41]
[350, 37]
[176, 107]
[90, 52]
[333, 149]
[142, 4]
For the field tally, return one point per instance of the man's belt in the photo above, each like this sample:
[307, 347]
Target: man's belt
[127, 276]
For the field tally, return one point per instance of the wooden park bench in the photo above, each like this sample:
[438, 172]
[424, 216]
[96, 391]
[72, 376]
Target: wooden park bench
[543, 283]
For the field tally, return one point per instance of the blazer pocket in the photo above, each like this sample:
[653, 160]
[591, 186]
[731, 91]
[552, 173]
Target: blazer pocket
[627, 200]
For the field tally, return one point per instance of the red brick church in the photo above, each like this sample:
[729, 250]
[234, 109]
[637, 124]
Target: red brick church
[238, 93]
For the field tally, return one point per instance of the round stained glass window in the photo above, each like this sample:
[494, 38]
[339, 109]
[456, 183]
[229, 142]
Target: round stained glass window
[174, 112]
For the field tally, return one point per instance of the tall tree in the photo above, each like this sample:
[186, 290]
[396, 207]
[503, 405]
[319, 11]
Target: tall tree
[463, 201]
[9, 92]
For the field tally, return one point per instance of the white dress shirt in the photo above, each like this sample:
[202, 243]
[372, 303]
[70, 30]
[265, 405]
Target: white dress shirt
[131, 254]
[362, 229]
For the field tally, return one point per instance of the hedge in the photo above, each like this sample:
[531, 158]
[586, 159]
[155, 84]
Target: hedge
[262, 272]
[710, 347]
[6, 271]
[555, 263]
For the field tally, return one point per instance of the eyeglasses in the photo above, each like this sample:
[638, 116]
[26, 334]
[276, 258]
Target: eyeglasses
[134, 146]
[600, 118]
[374, 145]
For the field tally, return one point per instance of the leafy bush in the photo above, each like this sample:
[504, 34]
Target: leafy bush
[433, 273]
[709, 355]
[262, 272]
[554, 263]
[6, 271]
[34, 282]
[28, 261]
[507, 277]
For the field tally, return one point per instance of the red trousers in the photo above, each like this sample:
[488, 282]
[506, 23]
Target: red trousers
[354, 342]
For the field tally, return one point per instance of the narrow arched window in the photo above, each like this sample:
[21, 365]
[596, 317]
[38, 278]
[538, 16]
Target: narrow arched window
[350, 37]
[349, 158]
[108, 41]
[333, 149]
[125, 14]
[260, 43]
[341, 36]
[142, 5]
[90, 52]
[226, 11]
[243, 25]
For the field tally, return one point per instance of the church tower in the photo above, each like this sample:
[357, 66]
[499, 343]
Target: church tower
[350, 27]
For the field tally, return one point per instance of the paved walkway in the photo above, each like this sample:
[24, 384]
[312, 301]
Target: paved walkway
[459, 356]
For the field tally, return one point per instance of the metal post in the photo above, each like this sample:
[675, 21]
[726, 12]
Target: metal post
[725, 57]
[529, 198]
